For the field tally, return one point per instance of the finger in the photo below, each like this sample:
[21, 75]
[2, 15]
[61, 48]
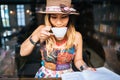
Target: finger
[47, 33]
[92, 69]
[47, 28]
[43, 37]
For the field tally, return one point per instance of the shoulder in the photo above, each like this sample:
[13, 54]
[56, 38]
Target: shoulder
[78, 38]
[78, 35]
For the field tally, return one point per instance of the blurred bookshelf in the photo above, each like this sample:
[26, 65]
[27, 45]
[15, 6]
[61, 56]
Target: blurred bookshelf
[107, 32]
[107, 24]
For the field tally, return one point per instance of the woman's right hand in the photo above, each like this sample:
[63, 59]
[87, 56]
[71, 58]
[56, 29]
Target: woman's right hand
[42, 33]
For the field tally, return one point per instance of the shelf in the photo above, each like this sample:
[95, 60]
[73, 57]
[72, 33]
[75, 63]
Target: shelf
[107, 13]
[109, 22]
[114, 37]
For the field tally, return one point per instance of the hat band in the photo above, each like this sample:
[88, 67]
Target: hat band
[53, 8]
[59, 9]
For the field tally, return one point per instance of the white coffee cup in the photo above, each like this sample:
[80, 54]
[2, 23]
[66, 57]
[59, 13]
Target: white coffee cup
[59, 32]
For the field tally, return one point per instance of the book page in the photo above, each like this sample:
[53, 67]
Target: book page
[73, 76]
[101, 73]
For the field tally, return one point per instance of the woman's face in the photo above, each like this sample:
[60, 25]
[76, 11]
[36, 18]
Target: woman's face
[59, 20]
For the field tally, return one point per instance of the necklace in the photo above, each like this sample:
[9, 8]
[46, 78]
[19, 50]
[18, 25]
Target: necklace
[58, 43]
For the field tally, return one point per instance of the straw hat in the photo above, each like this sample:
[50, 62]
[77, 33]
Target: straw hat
[58, 6]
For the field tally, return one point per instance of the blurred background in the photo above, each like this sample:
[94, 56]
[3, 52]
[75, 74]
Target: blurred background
[98, 22]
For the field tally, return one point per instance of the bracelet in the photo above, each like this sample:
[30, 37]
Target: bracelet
[83, 67]
[34, 43]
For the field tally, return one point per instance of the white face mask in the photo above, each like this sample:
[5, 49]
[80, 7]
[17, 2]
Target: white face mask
[59, 32]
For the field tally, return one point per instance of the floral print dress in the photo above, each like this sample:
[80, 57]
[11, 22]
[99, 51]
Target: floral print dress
[62, 60]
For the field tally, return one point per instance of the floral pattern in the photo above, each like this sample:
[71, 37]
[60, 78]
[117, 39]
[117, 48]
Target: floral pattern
[47, 73]
[62, 59]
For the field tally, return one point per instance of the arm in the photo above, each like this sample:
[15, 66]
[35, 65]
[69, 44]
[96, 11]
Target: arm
[78, 60]
[40, 34]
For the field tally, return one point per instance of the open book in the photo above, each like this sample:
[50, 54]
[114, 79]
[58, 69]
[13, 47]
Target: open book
[101, 73]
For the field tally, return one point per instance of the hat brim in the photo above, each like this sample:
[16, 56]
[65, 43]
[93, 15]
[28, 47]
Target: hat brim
[54, 12]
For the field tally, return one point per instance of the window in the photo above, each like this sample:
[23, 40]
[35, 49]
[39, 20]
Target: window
[5, 15]
[20, 15]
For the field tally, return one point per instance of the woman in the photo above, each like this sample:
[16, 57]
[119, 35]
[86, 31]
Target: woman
[57, 51]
